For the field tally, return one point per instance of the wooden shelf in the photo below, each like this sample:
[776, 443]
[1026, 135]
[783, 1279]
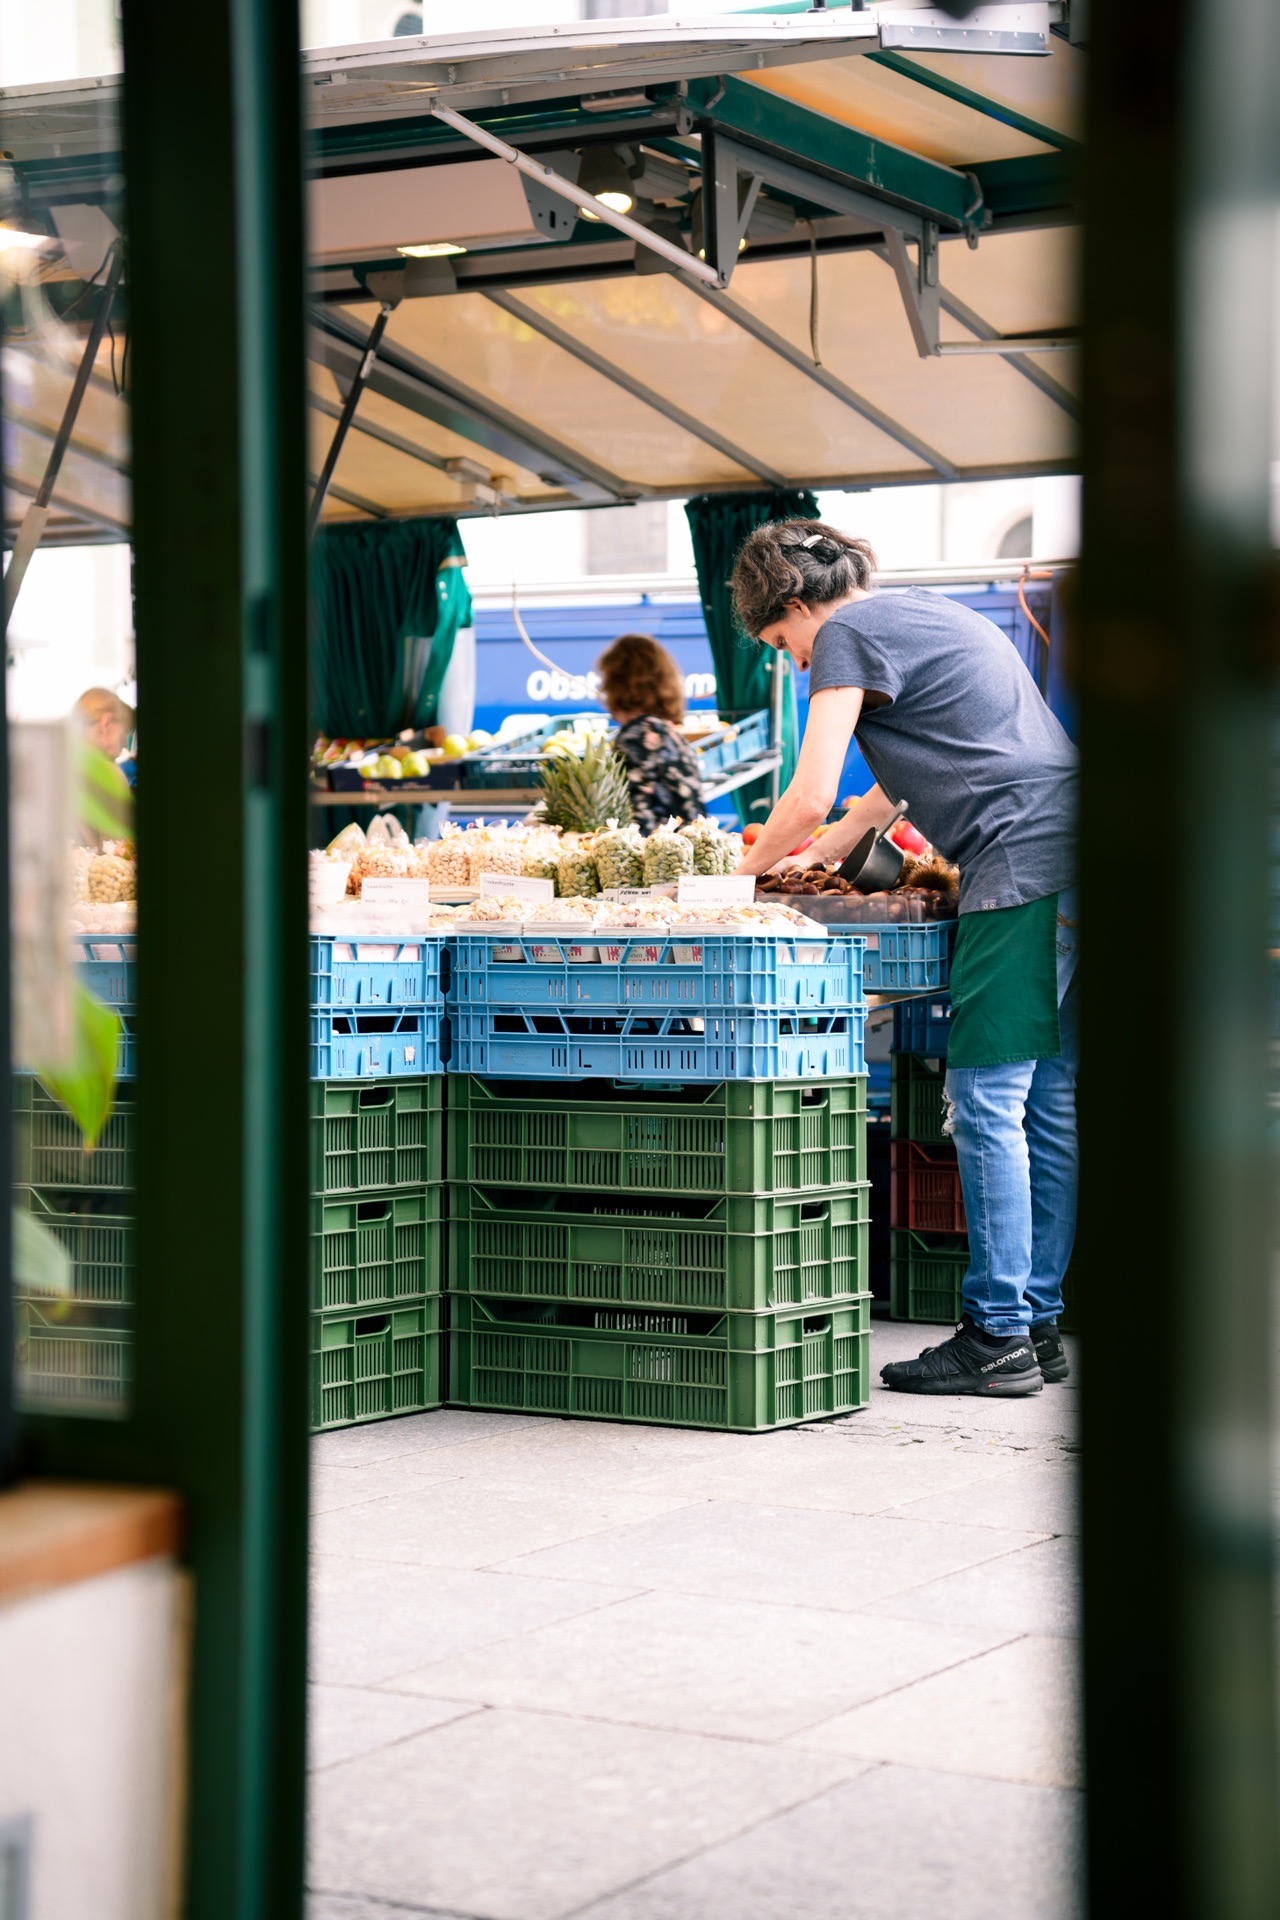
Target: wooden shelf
[53, 1532]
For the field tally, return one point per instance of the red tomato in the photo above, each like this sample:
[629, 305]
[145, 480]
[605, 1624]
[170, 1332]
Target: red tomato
[909, 838]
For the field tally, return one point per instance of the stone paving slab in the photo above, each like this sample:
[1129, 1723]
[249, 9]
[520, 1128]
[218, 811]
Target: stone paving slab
[896, 1844]
[454, 1523]
[1011, 1714]
[570, 1670]
[782, 1555]
[1032, 1590]
[345, 1721]
[383, 1620]
[531, 1816]
[1039, 1496]
[695, 1665]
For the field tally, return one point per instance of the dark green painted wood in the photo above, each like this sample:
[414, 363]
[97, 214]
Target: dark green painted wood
[1176, 653]
[214, 199]
[1042, 183]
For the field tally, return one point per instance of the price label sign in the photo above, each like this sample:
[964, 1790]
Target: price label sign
[413, 895]
[496, 886]
[715, 889]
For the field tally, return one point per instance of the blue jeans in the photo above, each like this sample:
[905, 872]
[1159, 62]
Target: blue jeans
[1014, 1128]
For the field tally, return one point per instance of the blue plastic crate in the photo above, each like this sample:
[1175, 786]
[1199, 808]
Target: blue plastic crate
[907, 958]
[518, 761]
[718, 755]
[685, 973]
[359, 1045]
[107, 964]
[922, 1026]
[381, 970]
[671, 1047]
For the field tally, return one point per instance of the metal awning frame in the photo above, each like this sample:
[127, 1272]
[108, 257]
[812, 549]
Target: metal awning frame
[859, 193]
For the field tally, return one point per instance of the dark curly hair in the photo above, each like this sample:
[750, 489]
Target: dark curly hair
[639, 676]
[795, 560]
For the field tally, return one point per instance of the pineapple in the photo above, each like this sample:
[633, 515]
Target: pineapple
[583, 793]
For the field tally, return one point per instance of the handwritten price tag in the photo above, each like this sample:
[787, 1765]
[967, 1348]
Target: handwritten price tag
[496, 886]
[715, 889]
[414, 895]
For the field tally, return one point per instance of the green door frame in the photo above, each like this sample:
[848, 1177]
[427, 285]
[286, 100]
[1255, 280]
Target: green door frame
[213, 147]
[1177, 664]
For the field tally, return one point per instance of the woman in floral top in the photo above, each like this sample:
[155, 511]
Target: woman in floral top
[644, 692]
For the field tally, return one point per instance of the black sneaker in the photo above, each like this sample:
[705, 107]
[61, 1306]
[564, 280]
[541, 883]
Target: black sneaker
[971, 1361]
[1050, 1351]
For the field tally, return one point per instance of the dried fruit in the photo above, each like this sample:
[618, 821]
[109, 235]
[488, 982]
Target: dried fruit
[619, 853]
[576, 871]
[667, 854]
[111, 878]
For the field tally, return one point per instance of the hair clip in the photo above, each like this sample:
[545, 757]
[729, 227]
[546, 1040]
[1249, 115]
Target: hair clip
[813, 540]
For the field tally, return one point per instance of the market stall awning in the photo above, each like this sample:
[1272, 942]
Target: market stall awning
[902, 310]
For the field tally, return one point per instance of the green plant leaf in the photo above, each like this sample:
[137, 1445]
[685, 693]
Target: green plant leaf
[104, 798]
[87, 1087]
[41, 1264]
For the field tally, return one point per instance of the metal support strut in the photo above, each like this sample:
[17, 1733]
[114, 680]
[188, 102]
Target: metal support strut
[359, 381]
[36, 517]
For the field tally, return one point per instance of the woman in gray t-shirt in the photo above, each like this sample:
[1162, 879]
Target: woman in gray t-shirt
[949, 720]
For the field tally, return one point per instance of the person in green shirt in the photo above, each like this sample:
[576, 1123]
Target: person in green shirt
[949, 719]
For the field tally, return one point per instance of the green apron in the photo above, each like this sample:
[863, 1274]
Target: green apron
[1004, 986]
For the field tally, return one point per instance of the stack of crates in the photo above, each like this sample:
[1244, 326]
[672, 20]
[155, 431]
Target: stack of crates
[76, 1353]
[929, 1254]
[377, 1170]
[674, 1231]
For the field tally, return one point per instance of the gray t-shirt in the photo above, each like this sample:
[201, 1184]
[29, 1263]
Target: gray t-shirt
[987, 771]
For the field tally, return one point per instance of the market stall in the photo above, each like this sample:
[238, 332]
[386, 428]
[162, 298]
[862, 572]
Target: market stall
[731, 262]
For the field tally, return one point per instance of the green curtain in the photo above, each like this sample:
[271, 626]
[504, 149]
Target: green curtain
[381, 593]
[719, 523]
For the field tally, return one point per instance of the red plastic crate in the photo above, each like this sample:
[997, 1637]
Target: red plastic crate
[925, 1193]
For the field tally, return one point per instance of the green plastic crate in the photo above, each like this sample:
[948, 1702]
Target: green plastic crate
[916, 1109]
[926, 1273]
[72, 1366]
[748, 1254]
[738, 1136]
[369, 1366]
[740, 1371]
[97, 1231]
[49, 1148]
[368, 1137]
[926, 1276]
[374, 1249]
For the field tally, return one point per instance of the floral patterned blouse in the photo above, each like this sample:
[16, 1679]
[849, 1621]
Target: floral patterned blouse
[662, 771]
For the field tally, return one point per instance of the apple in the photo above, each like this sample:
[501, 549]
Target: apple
[909, 838]
[454, 746]
[750, 834]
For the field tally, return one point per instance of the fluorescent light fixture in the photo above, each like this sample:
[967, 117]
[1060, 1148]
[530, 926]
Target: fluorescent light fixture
[432, 250]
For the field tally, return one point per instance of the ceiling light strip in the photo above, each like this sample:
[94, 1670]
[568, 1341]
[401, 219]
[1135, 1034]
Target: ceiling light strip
[585, 202]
